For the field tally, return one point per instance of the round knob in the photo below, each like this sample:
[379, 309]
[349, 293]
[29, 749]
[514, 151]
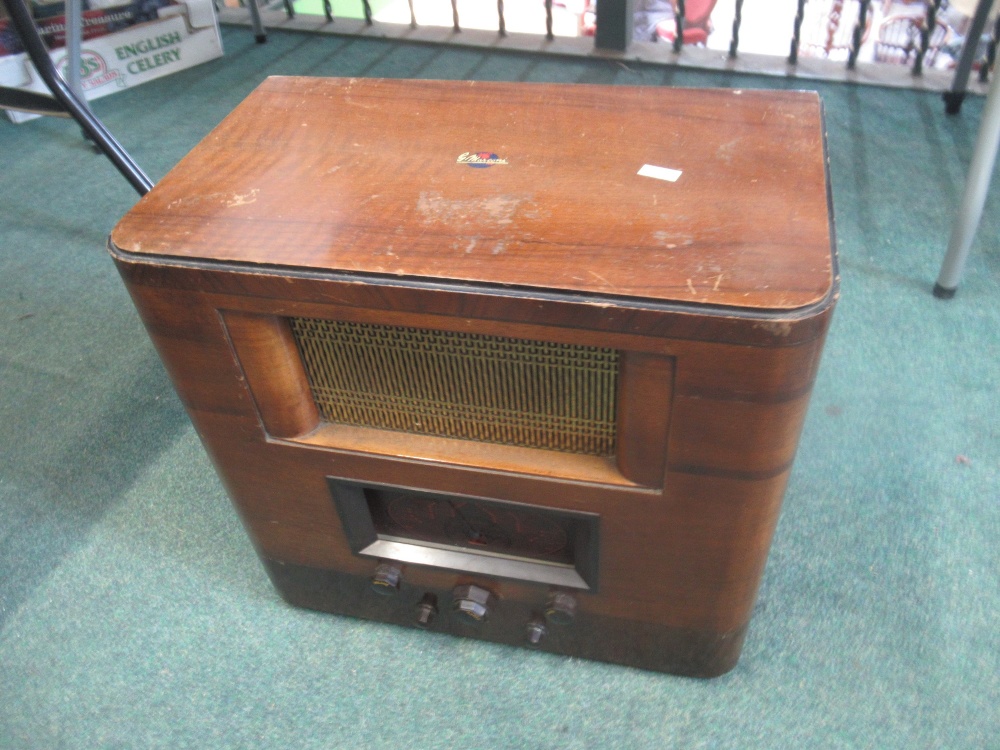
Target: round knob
[561, 608]
[472, 604]
[387, 579]
[426, 610]
[536, 631]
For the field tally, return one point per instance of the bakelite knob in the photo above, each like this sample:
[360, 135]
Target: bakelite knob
[561, 608]
[471, 603]
[537, 630]
[387, 579]
[426, 610]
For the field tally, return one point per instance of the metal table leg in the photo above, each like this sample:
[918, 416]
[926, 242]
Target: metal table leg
[974, 198]
[20, 16]
[74, 34]
[258, 26]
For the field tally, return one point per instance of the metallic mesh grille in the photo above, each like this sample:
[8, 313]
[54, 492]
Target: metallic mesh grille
[459, 385]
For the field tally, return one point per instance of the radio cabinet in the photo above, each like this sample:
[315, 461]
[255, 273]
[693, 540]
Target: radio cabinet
[519, 362]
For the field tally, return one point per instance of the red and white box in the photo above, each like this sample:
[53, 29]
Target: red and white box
[179, 36]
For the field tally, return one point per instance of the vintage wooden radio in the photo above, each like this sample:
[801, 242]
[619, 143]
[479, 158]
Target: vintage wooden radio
[520, 362]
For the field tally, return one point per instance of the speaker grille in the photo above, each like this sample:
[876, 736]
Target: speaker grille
[492, 389]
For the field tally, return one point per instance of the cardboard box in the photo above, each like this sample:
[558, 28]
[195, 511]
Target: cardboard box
[183, 35]
[98, 20]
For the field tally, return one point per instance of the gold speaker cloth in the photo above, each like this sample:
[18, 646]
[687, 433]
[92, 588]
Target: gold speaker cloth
[492, 389]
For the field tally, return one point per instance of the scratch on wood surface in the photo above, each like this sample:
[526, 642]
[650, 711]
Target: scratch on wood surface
[349, 100]
[691, 287]
[243, 199]
[672, 240]
[435, 207]
[776, 328]
[597, 275]
[718, 280]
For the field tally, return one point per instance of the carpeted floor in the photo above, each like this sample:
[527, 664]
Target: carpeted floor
[133, 613]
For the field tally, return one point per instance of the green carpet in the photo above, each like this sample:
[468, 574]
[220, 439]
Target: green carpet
[133, 613]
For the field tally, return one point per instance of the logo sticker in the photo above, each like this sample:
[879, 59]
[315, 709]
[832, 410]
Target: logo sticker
[480, 159]
[94, 71]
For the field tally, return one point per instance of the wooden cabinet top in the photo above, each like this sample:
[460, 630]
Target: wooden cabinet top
[562, 188]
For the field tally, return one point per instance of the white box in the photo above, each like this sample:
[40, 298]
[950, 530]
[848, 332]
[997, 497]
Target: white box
[184, 35]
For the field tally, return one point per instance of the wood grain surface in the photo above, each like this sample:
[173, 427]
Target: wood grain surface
[362, 176]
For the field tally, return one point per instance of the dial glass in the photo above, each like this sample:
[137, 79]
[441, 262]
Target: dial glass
[480, 525]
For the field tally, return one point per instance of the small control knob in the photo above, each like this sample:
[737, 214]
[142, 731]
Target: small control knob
[426, 610]
[537, 630]
[471, 603]
[387, 579]
[561, 608]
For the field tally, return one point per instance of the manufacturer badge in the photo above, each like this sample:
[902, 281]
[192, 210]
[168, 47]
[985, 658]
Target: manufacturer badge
[480, 159]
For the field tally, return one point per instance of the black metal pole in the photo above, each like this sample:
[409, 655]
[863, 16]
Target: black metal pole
[29, 101]
[33, 45]
[680, 16]
[985, 66]
[614, 24]
[737, 21]
[953, 98]
[930, 24]
[858, 35]
[793, 55]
